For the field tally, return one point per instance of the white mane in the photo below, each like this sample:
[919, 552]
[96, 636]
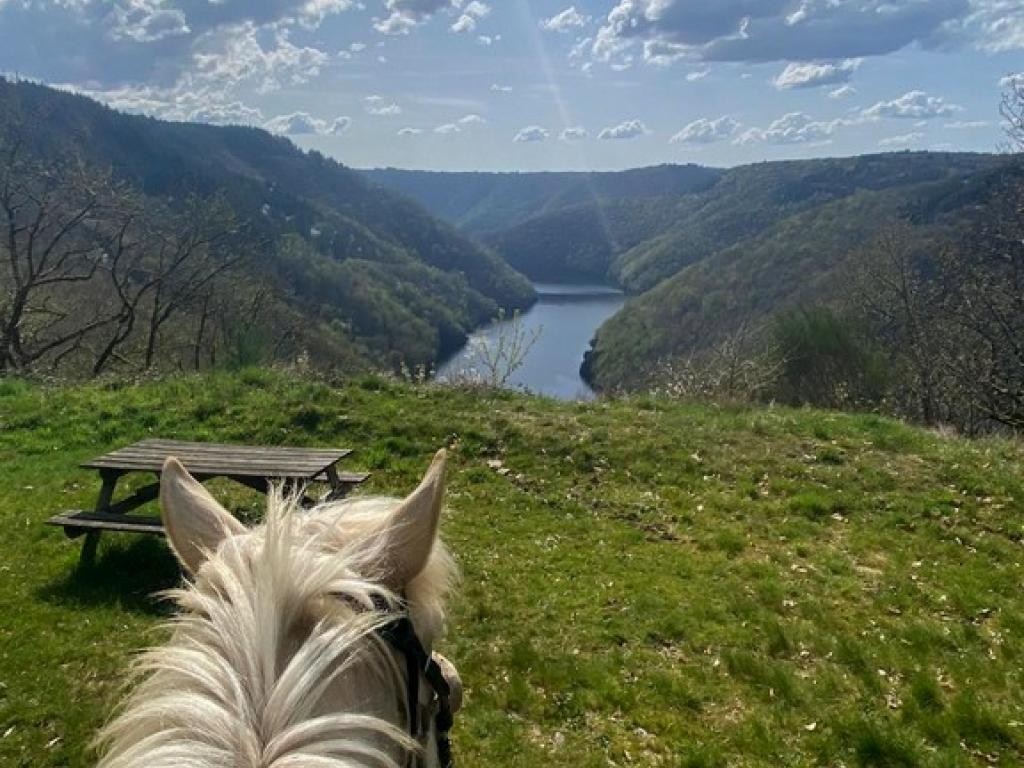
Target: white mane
[273, 661]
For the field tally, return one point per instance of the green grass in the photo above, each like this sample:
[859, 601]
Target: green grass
[649, 583]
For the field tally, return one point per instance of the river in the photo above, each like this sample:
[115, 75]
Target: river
[563, 321]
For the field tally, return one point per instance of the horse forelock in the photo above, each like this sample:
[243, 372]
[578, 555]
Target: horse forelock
[278, 622]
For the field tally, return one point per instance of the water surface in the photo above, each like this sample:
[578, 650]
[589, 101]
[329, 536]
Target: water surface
[564, 320]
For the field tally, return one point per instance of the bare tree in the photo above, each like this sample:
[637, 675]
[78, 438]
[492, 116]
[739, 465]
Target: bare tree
[493, 357]
[983, 306]
[58, 221]
[199, 245]
[889, 286]
[745, 366]
[1012, 110]
[92, 272]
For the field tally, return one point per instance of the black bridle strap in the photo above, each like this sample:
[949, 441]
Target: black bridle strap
[401, 635]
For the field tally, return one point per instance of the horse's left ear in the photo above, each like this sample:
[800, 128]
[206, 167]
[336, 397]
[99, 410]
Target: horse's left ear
[193, 520]
[412, 528]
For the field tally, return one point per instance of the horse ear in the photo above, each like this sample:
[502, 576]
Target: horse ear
[195, 523]
[413, 526]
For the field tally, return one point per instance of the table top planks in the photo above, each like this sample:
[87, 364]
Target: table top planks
[222, 460]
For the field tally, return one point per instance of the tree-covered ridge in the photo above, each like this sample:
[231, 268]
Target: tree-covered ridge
[488, 203]
[896, 269]
[338, 250]
[750, 199]
[636, 241]
[582, 242]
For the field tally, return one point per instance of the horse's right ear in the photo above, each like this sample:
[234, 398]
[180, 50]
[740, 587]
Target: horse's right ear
[412, 529]
[193, 520]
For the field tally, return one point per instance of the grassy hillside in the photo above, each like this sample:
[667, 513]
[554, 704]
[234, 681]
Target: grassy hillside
[648, 583]
[318, 223]
[486, 203]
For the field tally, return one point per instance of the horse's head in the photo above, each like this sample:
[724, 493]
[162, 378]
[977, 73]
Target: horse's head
[284, 652]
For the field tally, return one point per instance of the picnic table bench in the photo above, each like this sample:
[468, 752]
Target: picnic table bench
[252, 466]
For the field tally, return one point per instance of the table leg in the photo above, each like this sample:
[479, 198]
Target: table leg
[92, 539]
[338, 489]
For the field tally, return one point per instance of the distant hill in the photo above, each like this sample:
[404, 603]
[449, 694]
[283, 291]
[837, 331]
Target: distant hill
[780, 255]
[702, 250]
[750, 199]
[582, 242]
[370, 264]
[486, 203]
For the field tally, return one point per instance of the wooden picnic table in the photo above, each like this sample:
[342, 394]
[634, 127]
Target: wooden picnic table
[253, 466]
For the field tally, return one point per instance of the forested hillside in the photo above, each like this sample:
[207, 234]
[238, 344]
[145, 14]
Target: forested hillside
[743, 263]
[636, 241]
[582, 242]
[368, 269]
[487, 203]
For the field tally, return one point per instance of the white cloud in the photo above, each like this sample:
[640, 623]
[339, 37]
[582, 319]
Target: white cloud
[813, 75]
[501, 88]
[704, 131]
[311, 13]
[238, 55]
[660, 53]
[914, 105]
[147, 21]
[201, 106]
[630, 129]
[375, 105]
[224, 113]
[404, 15]
[566, 21]
[575, 133]
[447, 129]
[302, 123]
[531, 133]
[224, 64]
[905, 140]
[700, 74]
[465, 23]
[792, 128]
[803, 30]
[471, 119]
[471, 14]
[175, 59]
[996, 25]
[1012, 82]
[579, 51]
[842, 92]
[410, 131]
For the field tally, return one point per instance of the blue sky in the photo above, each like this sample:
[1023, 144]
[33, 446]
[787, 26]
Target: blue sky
[543, 84]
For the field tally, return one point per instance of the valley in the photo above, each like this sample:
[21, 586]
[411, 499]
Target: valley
[706, 252]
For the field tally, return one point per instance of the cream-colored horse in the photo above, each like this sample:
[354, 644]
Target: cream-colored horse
[276, 659]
